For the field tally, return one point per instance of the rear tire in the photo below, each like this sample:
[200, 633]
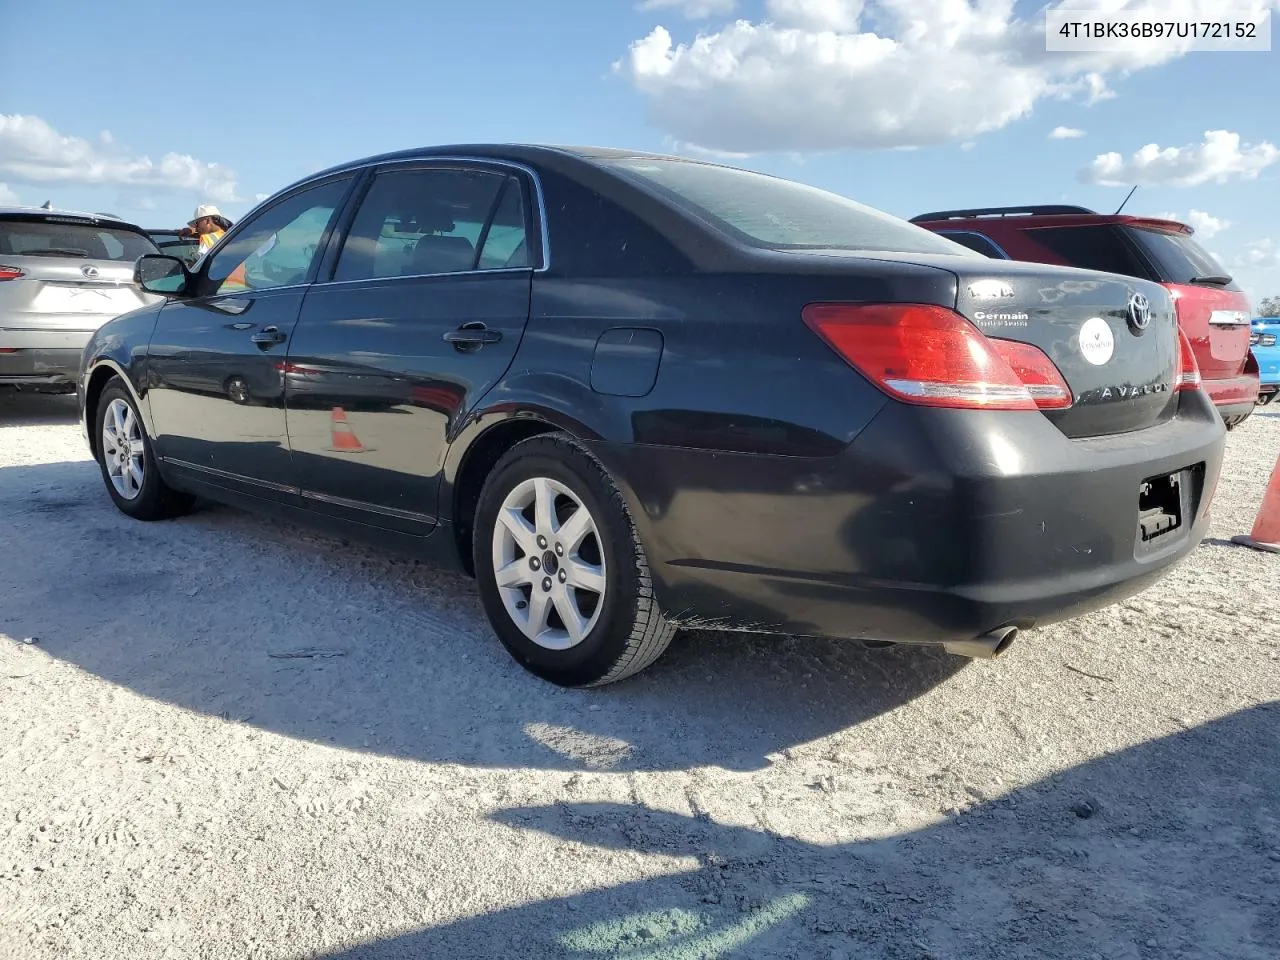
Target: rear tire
[127, 463]
[575, 605]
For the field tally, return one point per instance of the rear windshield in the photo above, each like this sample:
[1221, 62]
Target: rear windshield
[50, 238]
[780, 214]
[1178, 257]
[1100, 247]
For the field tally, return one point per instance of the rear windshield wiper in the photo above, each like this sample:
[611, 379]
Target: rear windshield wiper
[55, 252]
[1219, 281]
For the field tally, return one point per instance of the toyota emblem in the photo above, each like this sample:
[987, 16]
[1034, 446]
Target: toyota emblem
[90, 271]
[1139, 312]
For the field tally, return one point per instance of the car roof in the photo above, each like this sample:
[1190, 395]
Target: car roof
[526, 153]
[1051, 215]
[97, 219]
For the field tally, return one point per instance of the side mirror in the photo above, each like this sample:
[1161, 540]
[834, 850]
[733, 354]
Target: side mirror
[158, 273]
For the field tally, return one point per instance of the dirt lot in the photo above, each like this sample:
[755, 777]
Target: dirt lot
[172, 786]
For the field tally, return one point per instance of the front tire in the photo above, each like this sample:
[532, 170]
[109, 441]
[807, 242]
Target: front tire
[562, 573]
[128, 465]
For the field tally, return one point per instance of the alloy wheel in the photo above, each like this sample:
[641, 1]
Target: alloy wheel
[548, 563]
[123, 449]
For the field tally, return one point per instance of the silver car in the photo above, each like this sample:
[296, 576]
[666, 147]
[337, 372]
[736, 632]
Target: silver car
[62, 276]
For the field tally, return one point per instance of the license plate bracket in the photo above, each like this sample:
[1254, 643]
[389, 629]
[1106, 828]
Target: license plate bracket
[1162, 506]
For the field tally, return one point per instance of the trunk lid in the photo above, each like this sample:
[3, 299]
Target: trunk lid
[1118, 359]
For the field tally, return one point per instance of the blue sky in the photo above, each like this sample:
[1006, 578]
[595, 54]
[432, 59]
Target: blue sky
[146, 109]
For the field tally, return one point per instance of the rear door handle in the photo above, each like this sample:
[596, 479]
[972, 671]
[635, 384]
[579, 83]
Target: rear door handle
[268, 335]
[474, 334]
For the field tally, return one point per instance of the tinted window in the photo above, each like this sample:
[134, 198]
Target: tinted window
[506, 244]
[423, 222]
[1100, 247]
[46, 238]
[277, 247]
[975, 242]
[781, 214]
[1178, 257]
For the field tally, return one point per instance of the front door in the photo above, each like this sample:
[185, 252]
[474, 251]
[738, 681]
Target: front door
[423, 314]
[216, 384]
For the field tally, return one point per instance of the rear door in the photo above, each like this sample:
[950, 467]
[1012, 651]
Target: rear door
[216, 359]
[425, 309]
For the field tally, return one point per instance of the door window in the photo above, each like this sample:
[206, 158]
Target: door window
[423, 222]
[277, 247]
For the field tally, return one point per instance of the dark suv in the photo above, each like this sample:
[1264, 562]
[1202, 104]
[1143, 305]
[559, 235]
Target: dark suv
[1212, 311]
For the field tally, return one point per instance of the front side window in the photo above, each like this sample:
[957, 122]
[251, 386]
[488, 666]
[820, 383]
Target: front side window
[278, 247]
[53, 238]
[434, 221]
[779, 214]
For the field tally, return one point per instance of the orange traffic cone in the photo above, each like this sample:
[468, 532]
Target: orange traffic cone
[1266, 528]
[344, 441]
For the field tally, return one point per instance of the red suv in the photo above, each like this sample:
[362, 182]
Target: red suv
[1212, 310]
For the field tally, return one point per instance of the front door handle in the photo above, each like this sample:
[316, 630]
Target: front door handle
[267, 336]
[474, 334]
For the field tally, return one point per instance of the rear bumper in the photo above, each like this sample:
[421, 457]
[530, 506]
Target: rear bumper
[1238, 393]
[1268, 366]
[38, 367]
[933, 525]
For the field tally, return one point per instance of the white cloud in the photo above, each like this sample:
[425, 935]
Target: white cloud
[259, 197]
[1219, 158]
[817, 15]
[692, 9]
[7, 194]
[1205, 225]
[31, 151]
[835, 74]
[1065, 133]
[1260, 254]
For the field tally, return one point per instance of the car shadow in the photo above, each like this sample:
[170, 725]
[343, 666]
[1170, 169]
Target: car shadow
[1166, 849]
[26, 409]
[266, 624]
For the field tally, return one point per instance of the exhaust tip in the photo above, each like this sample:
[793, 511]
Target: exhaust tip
[986, 647]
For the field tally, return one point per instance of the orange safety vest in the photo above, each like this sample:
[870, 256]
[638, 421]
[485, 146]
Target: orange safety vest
[208, 240]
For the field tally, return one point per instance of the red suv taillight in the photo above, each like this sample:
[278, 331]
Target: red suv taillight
[9, 273]
[1188, 369]
[929, 355]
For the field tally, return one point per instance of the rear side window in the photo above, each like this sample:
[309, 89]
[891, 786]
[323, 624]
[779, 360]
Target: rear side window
[83, 241]
[779, 214]
[975, 242]
[1101, 247]
[426, 222]
[1179, 258]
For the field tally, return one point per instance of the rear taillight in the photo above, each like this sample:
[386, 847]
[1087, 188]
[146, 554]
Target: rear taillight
[932, 356]
[1188, 370]
[9, 273]
[1034, 368]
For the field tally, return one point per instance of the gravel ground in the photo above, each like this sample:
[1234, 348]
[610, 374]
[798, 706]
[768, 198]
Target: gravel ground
[172, 786]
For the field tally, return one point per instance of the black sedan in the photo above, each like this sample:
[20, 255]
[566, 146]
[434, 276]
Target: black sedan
[630, 393]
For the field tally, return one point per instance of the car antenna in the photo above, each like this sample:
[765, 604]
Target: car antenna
[1126, 200]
